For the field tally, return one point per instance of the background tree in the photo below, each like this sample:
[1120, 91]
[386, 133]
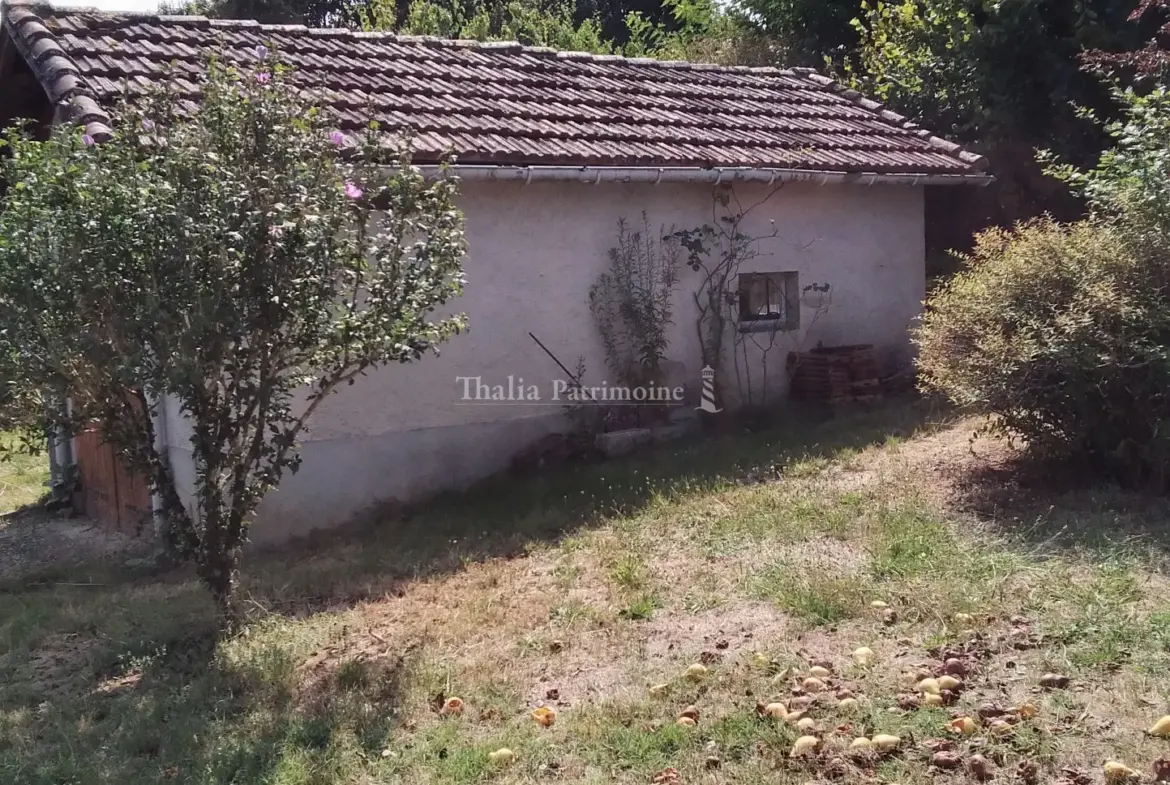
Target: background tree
[1006, 77]
[243, 258]
[588, 25]
[804, 32]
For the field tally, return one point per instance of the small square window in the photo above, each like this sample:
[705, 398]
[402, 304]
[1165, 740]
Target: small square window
[769, 301]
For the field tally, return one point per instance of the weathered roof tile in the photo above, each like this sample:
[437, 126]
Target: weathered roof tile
[497, 102]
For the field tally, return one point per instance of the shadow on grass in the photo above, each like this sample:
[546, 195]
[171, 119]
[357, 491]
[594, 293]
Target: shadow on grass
[1057, 506]
[120, 681]
[113, 701]
[503, 518]
[508, 516]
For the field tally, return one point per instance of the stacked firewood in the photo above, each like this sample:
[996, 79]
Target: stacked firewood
[834, 374]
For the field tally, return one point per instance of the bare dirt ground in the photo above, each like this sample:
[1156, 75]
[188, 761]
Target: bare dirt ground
[33, 542]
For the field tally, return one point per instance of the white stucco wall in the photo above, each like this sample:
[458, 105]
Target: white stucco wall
[534, 250]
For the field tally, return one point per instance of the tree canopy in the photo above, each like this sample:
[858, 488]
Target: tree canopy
[243, 260]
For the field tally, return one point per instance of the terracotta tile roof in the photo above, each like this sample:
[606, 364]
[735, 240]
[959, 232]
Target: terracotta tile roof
[495, 103]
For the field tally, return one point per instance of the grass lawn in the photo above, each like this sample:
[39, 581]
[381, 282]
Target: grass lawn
[595, 591]
[23, 478]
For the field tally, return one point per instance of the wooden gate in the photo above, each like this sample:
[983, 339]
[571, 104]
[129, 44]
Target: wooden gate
[111, 494]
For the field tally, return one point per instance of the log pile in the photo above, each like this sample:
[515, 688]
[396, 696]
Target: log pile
[834, 374]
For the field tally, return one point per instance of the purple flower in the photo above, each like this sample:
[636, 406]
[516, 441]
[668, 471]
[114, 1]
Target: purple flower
[261, 52]
[263, 77]
[276, 231]
[337, 137]
[88, 140]
[352, 191]
[148, 125]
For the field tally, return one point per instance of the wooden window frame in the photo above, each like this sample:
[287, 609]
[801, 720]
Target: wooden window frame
[788, 283]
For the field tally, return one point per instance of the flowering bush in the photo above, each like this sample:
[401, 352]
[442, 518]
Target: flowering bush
[242, 256]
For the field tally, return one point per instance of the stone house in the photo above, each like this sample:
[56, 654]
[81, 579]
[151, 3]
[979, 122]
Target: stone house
[553, 149]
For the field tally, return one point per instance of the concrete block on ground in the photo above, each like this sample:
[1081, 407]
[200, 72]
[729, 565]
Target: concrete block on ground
[622, 442]
[675, 431]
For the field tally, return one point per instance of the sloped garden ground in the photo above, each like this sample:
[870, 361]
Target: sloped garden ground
[659, 608]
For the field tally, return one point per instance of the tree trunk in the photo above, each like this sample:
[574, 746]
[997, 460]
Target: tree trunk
[221, 582]
[218, 560]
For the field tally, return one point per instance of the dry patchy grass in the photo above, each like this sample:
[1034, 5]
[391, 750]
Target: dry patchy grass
[755, 555]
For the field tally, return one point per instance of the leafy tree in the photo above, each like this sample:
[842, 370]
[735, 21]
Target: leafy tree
[804, 32]
[585, 26]
[1149, 61]
[1006, 76]
[1130, 184]
[702, 31]
[314, 13]
[242, 258]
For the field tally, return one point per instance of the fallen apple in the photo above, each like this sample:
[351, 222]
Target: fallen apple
[452, 707]
[948, 682]
[776, 711]
[1000, 727]
[1118, 772]
[981, 768]
[502, 756]
[805, 745]
[1054, 681]
[813, 684]
[929, 686]
[962, 725]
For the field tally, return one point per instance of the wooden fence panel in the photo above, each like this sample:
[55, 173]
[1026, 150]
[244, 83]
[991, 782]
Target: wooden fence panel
[113, 496]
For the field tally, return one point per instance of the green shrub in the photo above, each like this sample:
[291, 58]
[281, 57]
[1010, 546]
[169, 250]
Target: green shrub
[1061, 332]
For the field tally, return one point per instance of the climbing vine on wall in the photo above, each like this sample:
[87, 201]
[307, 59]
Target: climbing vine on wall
[718, 251]
[632, 302]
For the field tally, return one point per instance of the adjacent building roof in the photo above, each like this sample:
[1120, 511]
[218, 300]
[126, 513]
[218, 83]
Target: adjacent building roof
[494, 103]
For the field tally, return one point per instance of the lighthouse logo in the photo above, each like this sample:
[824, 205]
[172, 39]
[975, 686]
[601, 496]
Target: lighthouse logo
[707, 404]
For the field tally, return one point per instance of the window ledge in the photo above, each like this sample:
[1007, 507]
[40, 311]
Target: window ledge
[767, 326]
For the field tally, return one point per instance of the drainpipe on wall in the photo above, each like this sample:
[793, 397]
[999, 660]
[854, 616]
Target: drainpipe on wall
[60, 450]
[63, 454]
[158, 419]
